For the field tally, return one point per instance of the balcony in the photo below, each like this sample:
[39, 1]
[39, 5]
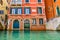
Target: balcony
[14, 3]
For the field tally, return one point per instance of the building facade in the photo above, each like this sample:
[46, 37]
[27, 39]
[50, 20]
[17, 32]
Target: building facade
[52, 9]
[49, 9]
[57, 7]
[52, 14]
[3, 13]
[26, 15]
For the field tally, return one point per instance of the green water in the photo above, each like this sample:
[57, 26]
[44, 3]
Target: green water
[29, 35]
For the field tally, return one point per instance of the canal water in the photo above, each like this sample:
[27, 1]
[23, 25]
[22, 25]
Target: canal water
[29, 35]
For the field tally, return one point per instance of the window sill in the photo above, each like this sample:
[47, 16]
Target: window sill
[39, 14]
[20, 14]
[1, 14]
[39, 2]
[27, 2]
[34, 24]
[41, 24]
[15, 14]
[26, 14]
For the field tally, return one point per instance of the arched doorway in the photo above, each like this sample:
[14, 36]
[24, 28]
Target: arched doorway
[26, 24]
[16, 24]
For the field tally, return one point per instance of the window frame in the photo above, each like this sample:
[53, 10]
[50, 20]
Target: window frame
[27, 2]
[38, 10]
[27, 8]
[55, 0]
[21, 10]
[39, 2]
[34, 21]
[2, 11]
[40, 21]
[14, 10]
[57, 11]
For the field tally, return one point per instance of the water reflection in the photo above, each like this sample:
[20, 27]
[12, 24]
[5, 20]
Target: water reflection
[3, 35]
[26, 35]
[30, 35]
[15, 34]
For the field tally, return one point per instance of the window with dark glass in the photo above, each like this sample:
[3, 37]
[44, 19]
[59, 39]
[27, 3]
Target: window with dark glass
[54, 0]
[58, 11]
[39, 10]
[1, 12]
[12, 11]
[41, 21]
[39, 0]
[27, 10]
[16, 11]
[27, 1]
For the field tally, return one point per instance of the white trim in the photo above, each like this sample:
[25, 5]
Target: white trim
[13, 21]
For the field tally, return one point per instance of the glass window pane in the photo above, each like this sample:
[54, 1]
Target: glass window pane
[1, 12]
[40, 21]
[19, 1]
[39, 0]
[13, 11]
[39, 10]
[54, 0]
[26, 0]
[27, 10]
[34, 21]
[20, 11]
[58, 11]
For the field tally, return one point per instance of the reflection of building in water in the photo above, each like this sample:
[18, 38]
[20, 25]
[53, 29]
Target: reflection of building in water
[3, 13]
